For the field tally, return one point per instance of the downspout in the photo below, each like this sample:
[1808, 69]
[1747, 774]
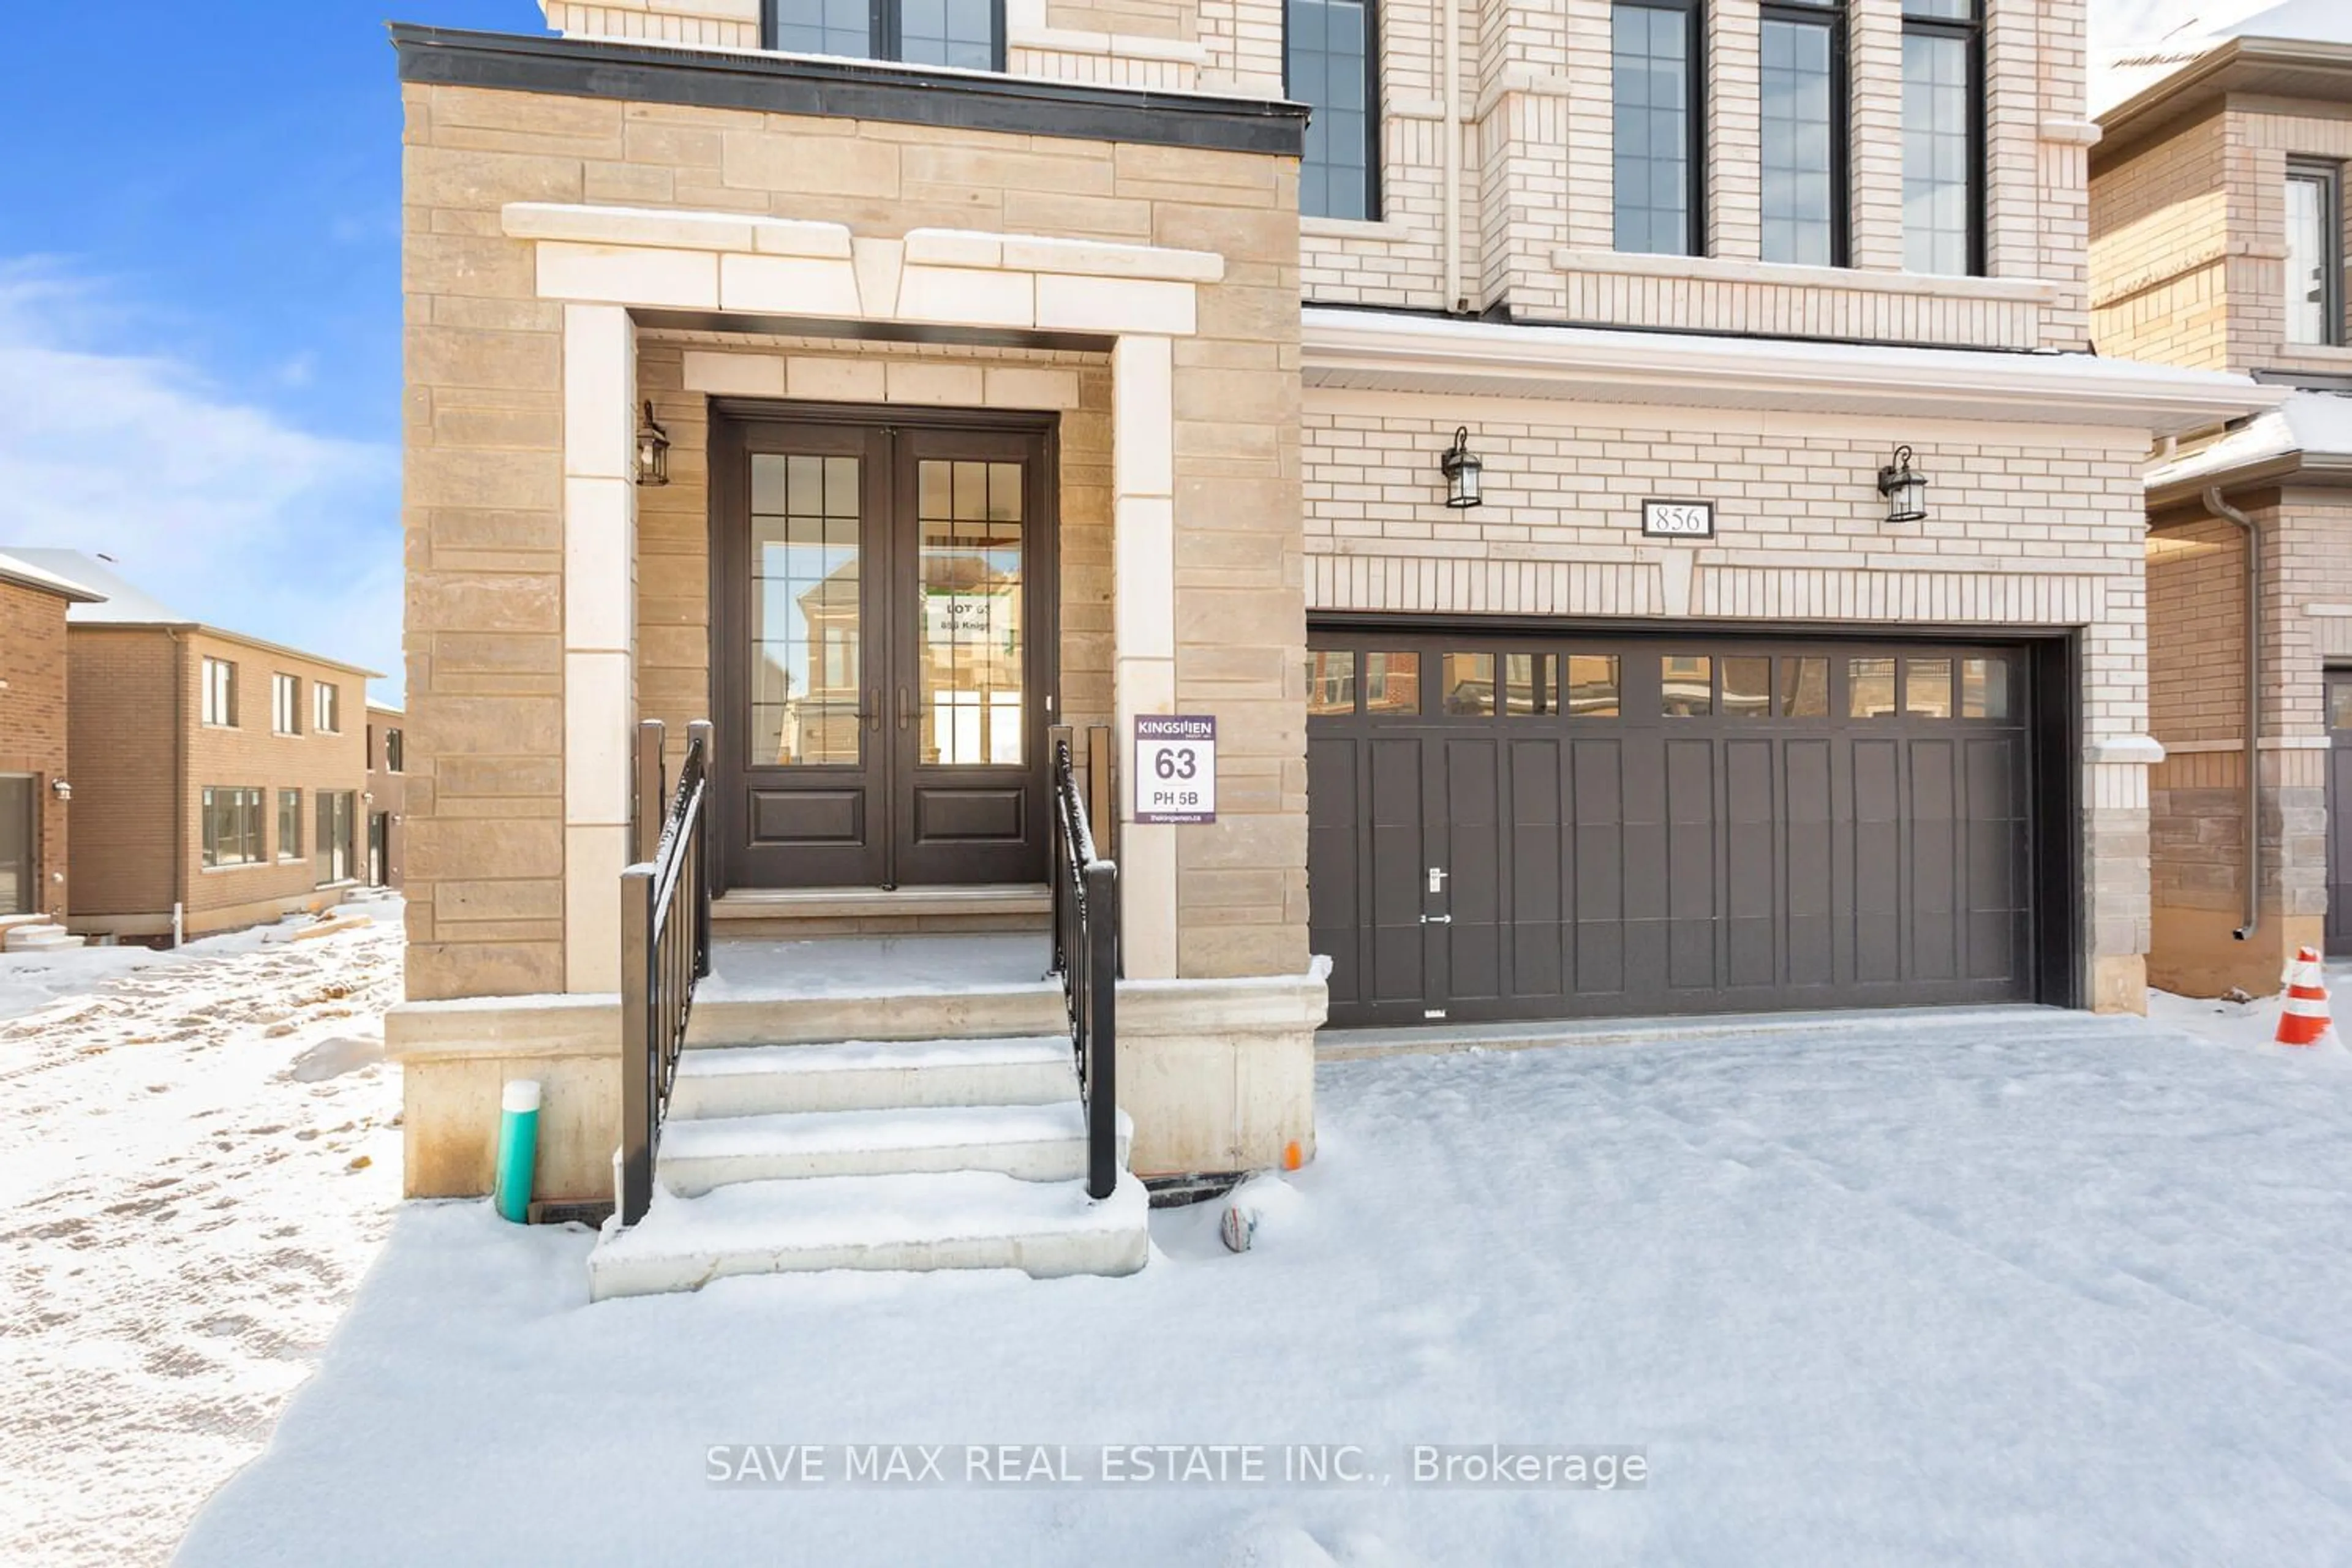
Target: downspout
[1453, 153]
[2221, 509]
[183, 797]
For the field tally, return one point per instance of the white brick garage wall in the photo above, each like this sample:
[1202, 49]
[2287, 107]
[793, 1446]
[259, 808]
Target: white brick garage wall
[2029, 527]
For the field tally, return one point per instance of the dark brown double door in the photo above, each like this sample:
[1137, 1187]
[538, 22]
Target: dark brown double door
[1507, 829]
[882, 646]
[2340, 811]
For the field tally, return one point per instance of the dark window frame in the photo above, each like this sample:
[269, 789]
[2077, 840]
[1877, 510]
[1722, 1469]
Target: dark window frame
[1372, 102]
[394, 751]
[1832, 16]
[244, 806]
[886, 31]
[290, 798]
[1693, 12]
[2329, 175]
[1970, 33]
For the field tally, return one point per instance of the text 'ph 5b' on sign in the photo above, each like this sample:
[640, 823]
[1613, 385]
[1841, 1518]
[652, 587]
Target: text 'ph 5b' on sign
[1175, 768]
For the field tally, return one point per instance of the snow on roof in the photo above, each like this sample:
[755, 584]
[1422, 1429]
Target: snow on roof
[2308, 424]
[126, 606]
[2145, 51]
[17, 569]
[123, 606]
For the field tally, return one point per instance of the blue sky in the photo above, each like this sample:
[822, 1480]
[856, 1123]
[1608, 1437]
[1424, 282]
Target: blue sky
[200, 302]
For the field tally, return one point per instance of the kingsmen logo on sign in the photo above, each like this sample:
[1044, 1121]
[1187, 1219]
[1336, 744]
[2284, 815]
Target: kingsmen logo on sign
[1175, 768]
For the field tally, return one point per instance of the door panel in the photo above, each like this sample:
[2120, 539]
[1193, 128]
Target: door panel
[1627, 825]
[2340, 811]
[20, 874]
[883, 631]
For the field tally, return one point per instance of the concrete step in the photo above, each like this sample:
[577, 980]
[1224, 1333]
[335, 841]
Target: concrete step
[1033, 1143]
[876, 1013]
[805, 912]
[960, 1219]
[873, 1075]
[37, 939]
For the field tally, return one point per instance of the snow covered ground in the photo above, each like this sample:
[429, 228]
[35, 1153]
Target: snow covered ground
[2017, 1287]
[199, 1157]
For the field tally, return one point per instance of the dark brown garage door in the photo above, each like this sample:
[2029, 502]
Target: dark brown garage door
[1539, 827]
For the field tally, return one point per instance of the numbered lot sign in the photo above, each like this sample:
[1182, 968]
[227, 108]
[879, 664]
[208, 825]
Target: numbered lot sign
[1175, 768]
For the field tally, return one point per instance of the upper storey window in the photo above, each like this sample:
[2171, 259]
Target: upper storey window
[2314, 254]
[1803, 59]
[965, 32]
[1327, 64]
[1943, 180]
[1655, 50]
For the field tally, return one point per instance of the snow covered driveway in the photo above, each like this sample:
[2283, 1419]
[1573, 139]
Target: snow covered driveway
[2034, 1290]
[198, 1159]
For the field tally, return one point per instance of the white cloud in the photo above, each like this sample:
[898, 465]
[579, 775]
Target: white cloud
[217, 507]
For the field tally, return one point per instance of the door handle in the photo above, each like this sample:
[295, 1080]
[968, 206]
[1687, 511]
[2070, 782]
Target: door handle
[871, 714]
[909, 710]
[1437, 919]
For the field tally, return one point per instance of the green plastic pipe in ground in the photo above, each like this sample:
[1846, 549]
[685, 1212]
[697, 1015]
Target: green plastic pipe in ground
[518, 1148]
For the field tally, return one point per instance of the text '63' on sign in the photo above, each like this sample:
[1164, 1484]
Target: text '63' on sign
[1175, 768]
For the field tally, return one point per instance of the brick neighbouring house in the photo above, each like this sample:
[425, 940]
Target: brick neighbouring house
[34, 875]
[2219, 242]
[203, 783]
[387, 795]
[1080, 319]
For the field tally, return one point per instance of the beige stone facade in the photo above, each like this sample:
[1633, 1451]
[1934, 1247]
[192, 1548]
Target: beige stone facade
[2189, 249]
[1240, 446]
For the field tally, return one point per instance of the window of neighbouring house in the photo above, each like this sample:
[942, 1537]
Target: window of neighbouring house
[1328, 63]
[1801, 45]
[1943, 187]
[1655, 53]
[326, 708]
[232, 827]
[331, 852]
[967, 34]
[220, 692]
[392, 752]
[285, 705]
[290, 824]
[2314, 254]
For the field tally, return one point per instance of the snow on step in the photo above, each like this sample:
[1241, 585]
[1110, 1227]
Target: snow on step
[32, 937]
[867, 1075]
[1033, 1143]
[961, 1219]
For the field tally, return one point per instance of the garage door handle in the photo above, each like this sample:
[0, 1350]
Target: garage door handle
[1437, 919]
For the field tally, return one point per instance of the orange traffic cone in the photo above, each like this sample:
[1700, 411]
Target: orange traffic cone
[2304, 1018]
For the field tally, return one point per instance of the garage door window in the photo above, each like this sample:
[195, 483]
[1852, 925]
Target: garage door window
[1392, 683]
[1984, 689]
[1927, 688]
[1331, 683]
[1687, 686]
[1869, 688]
[1592, 690]
[1470, 685]
[1747, 688]
[1805, 688]
[1531, 684]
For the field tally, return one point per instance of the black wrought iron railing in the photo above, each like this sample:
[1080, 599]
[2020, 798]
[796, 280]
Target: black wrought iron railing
[1086, 948]
[664, 947]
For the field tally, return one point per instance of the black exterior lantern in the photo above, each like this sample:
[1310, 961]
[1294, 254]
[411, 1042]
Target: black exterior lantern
[1463, 470]
[653, 451]
[1905, 488]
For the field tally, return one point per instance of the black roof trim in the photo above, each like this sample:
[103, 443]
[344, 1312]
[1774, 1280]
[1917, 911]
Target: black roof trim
[845, 89]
